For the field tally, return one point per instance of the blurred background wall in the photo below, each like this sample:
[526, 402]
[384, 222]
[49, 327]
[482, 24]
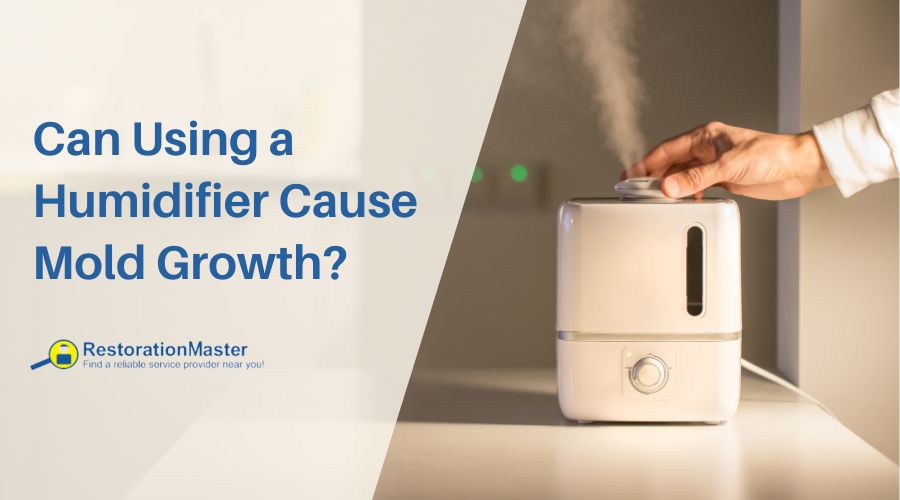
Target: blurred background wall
[700, 60]
[838, 318]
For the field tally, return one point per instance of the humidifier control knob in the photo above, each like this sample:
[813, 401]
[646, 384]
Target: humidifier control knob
[649, 374]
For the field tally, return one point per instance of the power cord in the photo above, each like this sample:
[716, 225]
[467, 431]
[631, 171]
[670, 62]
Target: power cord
[771, 377]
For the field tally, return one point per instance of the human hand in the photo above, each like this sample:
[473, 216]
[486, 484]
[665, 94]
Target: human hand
[743, 161]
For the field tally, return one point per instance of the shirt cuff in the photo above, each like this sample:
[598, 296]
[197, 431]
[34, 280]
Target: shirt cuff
[855, 151]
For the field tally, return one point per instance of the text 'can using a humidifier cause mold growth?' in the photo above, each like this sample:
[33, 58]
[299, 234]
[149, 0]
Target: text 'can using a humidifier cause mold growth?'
[648, 307]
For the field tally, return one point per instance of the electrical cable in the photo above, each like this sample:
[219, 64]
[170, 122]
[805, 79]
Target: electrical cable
[771, 377]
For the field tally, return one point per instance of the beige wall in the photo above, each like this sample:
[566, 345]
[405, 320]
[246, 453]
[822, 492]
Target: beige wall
[700, 60]
[838, 330]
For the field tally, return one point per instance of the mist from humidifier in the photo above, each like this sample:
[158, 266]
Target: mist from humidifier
[603, 34]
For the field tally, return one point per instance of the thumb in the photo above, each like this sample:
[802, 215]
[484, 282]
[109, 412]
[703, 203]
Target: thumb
[693, 180]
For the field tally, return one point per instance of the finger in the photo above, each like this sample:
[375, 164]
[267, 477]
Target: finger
[724, 185]
[693, 145]
[662, 157]
[680, 167]
[694, 180]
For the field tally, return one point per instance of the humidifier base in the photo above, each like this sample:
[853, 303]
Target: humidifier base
[648, 380]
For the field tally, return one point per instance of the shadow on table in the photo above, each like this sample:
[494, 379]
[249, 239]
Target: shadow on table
[454, 402]
[461, 403]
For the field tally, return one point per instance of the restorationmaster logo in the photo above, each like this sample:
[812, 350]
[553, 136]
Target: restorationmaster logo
[63, 354]
[193, 355]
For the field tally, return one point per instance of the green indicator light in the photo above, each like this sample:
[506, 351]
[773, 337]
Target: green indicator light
[477, 175]
[518, 172]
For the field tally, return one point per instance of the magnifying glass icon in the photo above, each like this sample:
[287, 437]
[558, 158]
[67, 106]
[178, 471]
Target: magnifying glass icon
[63, 354]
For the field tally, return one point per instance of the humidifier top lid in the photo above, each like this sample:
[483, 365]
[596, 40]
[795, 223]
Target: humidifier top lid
[641, 188]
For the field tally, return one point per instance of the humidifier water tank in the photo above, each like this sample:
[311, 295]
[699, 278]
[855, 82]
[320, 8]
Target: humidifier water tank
[648, 307]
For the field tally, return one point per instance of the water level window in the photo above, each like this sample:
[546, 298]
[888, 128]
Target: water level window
[694, 270]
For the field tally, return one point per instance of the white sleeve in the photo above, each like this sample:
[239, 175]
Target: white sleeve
[863, 146]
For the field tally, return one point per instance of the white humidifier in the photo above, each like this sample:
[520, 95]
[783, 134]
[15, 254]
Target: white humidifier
[648, 307]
